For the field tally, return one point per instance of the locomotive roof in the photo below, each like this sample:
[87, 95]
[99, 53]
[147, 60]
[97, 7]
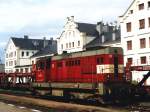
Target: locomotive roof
[107, 50]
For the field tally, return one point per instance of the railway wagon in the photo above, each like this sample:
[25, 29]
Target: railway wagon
[82, 74]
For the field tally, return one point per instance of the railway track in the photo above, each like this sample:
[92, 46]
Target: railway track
[140, 107]
[131, 106]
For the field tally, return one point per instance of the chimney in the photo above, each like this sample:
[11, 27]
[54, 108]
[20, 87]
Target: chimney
[106, 28]
[51, 40]
[45, 42]
[113, 36]
[26, 37]
[103, 38]
[99, 27]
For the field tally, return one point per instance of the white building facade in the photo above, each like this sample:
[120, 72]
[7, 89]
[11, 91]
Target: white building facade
[16, 59]
[135, 36]
[75, 36]
[19, 51]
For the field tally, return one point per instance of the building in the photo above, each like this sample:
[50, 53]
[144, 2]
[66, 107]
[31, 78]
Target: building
[109, 35]
[2, 68]
[77, 36]
[135, 36]
[49, 50]
[18, 53]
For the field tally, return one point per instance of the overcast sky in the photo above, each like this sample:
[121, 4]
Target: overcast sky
[39, 18]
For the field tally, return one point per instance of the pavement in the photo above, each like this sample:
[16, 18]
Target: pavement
[55, 105]
[4, 107]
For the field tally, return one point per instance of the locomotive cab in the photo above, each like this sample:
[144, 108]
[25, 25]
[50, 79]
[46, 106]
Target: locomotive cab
[43, 69]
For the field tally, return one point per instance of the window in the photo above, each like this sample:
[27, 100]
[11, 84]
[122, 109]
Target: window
[66, 45]
[73, 34]
[128, 27]
[48, 63]
[42, 65]
[78, 43]
[72, 44]
[10, 63]
[142, 43]
[141, 6]
[143, 60]
[149, 21]
[7, 55]
[15, 62]
[26, 70]
[61, 46]
[15, 53]
[142, 24]
[77, 62]
[17, 70]
[11, 55]
[100, 60]
[32, 62]
[69, 34]
[131, 11]
[22, 54]
[129, 45]
[69, 45]
[73, 63]
[129, 60]
[21, 70]
[149, 42]
[148, 4]
[27, 53]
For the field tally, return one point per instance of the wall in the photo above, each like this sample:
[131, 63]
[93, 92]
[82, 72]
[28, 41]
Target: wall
[135, 35]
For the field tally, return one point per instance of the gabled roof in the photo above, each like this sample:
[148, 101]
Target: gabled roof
[108, 39]
[128, 8]
[50, 49]
[89, 29]
[29, 44]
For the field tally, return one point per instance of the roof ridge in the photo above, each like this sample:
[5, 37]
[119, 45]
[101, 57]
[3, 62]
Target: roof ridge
[85, 23]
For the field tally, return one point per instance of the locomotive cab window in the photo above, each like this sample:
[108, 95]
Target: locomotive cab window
[41, 65]
[59, 64]
[77, 62]
[48, 63]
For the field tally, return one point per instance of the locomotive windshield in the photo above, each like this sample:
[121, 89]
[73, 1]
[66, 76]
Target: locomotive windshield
[40, 65]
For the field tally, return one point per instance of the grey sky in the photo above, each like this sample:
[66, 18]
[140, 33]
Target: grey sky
[39, 18]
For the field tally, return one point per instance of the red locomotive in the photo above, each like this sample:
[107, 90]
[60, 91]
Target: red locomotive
[94, 66]
[91, 72]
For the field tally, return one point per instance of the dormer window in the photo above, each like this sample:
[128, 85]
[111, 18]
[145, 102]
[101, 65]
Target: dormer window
[141, 6]
[131, 11]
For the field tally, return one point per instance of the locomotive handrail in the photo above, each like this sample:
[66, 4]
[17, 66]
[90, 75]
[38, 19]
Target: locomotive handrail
[144, 79]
